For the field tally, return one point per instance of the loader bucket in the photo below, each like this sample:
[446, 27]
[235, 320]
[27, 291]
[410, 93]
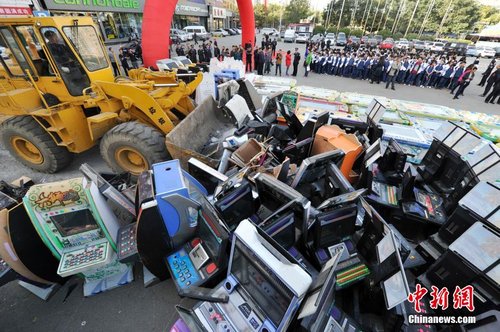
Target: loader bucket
[200, 135]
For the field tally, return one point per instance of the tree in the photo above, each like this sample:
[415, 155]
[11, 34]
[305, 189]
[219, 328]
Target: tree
[297, 10]
[269, 17]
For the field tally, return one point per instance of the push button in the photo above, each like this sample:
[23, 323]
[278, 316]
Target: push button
[195, 242]
[211, 268]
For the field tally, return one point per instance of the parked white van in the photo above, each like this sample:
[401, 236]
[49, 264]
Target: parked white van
[290, 36]
[201, 32]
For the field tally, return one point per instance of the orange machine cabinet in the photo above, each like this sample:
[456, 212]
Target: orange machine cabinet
[331, 137]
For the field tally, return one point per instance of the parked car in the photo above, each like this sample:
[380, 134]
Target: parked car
[317, 38]
[201, 32]
[239, 30]
[387, 44]
[330, 37]
[379, 38]
[220, 33]
[236, 31]
[497, 51]
[372, 42]
[355, 41]
[269, 32]
[230, 32]
[428, 45]
[179, 35]
[485, 51]
[282, 34]
[402, 45]
[341, 39]
[471, 51]
[302, 38]
[289, 36]
[456, 48]
[418, 45]
[437, 47]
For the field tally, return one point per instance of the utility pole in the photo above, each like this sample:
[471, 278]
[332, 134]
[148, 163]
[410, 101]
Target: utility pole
[427, 14]
[328, 14]
[387, 15]
[375, 16]
[445, 16]
[340, 17]
[411, 18]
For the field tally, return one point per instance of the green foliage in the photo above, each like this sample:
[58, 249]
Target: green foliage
[489, 15]
[319, 29]
[454, 40]
[411, 36]
[462, 17]
[297, 10]
[345, 30]
[385, 33]
[269, 17]
[356, 32]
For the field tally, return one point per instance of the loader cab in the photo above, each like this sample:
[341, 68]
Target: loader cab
[63, 55]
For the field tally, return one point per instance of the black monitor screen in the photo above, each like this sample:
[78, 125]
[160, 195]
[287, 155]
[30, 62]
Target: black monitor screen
[274, 193]
[333, 226]
[281, 227]
[315, 167]
[260, 282]
[209, 230]
[209, 234]
[74, 222]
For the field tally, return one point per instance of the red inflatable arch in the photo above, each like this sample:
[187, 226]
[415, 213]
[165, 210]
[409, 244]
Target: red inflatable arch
[157, 20]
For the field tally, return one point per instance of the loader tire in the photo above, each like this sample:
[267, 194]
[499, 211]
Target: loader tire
[133, 147]
[30, 144]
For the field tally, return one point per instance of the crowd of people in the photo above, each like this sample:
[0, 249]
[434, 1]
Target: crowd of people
[408, 67]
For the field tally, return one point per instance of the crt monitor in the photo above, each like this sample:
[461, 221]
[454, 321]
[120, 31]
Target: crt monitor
[266, 273]
[73, 223]
[274, 194]
[332, 226]
[281, 225]
[395, 287]
[236, 205]
[291, 119]
[314, 168]
[348, 198]
[393, 159]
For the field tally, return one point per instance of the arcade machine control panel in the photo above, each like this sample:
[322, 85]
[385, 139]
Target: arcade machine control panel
[80, 259]
[127, 244]
[191, 265]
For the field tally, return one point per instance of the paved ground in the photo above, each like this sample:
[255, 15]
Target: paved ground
[132, 307]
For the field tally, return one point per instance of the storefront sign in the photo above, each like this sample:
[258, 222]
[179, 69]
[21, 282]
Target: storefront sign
[15, 11]
[131, 6]
[192, 9]
[218, 12]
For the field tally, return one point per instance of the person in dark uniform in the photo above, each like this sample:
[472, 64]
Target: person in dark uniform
[201, 54]
[491, 81]
[496, 88]
[248, 51]
[261, 61]
[487, 72]
[296, 60]
[192, 54]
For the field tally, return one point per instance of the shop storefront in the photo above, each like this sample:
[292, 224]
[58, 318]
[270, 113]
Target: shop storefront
[190, 13]
[118, 20]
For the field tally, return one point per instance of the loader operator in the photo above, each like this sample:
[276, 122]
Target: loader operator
[71, 70]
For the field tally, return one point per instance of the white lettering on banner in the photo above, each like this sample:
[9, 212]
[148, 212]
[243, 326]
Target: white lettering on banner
[186, 8]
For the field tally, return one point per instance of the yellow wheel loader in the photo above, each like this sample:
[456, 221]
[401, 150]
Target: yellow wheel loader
[58, 90]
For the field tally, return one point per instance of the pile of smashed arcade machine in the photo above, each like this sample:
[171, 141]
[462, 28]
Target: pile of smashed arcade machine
[273, 222]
